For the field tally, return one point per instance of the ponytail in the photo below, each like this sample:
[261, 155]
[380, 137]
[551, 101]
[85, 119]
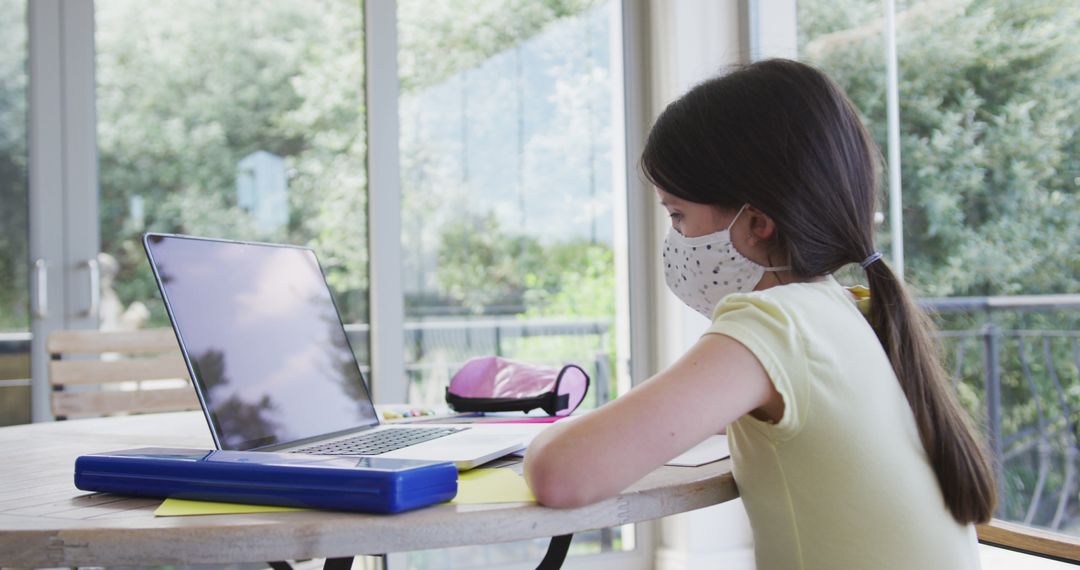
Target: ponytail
[957, 457]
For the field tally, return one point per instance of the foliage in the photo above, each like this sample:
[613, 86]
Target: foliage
[186, 90]
[442, 37]
[480, 265]
[989, 133]
[584, 288]
[583, 283]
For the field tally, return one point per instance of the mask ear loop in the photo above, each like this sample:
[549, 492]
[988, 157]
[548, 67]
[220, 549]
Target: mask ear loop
[736, 218]
[559, 402]
[555, 403]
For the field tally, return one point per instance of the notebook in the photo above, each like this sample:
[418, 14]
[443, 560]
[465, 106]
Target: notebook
[271, 363]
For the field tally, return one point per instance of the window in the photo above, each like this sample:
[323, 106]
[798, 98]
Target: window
[990, 169]
[507, 138]
[242, 122]
[506, 167]
[250, 121]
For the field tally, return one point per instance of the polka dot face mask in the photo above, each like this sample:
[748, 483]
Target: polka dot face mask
[703, 270]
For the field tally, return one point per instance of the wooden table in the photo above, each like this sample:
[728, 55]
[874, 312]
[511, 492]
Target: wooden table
[46, 521]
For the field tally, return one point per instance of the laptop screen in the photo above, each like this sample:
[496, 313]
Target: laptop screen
[267, 346]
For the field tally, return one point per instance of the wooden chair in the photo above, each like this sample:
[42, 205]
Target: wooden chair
[1028, 540]
[98, 373]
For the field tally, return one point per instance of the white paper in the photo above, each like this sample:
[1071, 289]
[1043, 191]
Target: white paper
[714, 448]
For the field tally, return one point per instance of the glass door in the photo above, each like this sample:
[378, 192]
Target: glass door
[62, 174]
[15, 265]
[241, 122]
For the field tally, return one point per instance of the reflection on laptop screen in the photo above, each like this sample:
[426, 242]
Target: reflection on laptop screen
[264, 337]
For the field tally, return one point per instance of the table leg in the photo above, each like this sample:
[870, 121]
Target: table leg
[556, 552]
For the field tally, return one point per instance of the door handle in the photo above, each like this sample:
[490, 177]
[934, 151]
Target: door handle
[41, 285]
[94, 271]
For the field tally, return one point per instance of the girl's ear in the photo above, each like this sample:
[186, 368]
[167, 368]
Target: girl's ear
[762, 227]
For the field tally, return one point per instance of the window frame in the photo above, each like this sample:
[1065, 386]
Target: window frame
[387, 305]
[63, 177]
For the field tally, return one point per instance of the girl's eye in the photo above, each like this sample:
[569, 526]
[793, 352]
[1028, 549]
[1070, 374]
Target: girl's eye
[676, 216]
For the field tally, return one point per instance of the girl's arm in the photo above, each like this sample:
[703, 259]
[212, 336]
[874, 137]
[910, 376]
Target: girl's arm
[594, 457]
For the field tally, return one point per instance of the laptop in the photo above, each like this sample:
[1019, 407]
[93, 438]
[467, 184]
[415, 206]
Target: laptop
[271, 363]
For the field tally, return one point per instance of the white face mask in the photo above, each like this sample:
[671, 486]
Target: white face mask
[703, 270]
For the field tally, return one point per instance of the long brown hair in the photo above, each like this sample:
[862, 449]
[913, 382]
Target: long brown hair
[781, 136]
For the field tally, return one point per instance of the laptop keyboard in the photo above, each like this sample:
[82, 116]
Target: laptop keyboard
[380, 441]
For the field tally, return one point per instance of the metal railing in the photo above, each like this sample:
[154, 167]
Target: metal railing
[14, 359]
[1016, 363]
[435, 349]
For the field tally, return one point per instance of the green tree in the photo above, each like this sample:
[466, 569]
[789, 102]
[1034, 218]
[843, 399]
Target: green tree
[187, 89]
[583, 284]
[439, 38]
[481, 266]
[989, 133]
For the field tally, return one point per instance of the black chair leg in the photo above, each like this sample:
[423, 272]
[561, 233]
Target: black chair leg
[330, 564]
[556, 552]
[338, 563]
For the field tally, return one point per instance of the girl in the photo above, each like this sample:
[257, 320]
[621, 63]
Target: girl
[848, 445]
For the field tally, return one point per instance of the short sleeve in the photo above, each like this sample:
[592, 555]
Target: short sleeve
[769, 332]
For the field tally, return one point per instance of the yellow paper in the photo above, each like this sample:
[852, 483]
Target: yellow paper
[476, 486]
[181, 508]
[492, 486]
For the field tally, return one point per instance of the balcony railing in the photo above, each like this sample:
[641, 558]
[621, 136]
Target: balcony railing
[1015, 362]
[435, 349]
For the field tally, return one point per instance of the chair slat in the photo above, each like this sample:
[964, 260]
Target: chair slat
[81, 372]
[72, 404]
[151, 355]
[96, 342]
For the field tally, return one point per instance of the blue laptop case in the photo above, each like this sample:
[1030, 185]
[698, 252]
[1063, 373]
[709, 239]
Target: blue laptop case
[366, 484]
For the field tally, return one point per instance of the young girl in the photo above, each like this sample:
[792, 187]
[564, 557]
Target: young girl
[849, 448]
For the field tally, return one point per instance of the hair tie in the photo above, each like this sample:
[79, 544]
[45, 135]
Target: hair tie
[870, 259]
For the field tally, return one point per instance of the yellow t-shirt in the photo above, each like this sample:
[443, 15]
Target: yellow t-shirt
[842, 481]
